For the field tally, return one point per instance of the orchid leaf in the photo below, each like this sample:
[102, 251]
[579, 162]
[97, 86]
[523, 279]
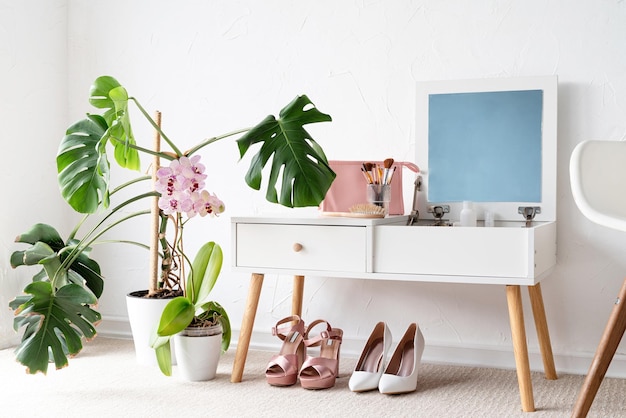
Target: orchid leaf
[54, 324]
[163, 351]
[164, 356]
[214, 307]
[205, 270]
[176, 316]
[306, 175]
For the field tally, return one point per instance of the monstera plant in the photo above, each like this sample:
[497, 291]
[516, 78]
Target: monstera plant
[57, 309]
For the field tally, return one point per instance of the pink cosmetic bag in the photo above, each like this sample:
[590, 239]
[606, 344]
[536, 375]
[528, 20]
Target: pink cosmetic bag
[349, 187]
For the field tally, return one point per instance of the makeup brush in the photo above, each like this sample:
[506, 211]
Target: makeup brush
[367, 176]
[368, 169]
[390, 176]
[387, 164]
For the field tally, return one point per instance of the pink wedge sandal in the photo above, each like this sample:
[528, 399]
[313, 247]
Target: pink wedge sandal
[282, 369]
[321, 372]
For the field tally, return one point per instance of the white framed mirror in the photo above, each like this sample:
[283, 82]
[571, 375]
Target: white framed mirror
[490, 141]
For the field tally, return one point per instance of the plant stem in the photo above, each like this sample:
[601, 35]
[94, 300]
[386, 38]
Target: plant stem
[209, 141]
[122, 241]
[180, 249]
[128, 183]
[167, 259]
[90, 237]
[117, 189]
[158, 129]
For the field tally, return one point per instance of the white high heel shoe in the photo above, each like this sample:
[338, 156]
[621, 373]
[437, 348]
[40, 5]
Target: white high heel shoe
[400, 376]
[371, 364]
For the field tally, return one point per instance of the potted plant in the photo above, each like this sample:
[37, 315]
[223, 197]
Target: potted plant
[200, 326]
[57, 310]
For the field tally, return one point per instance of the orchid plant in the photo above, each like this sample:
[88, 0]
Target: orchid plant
[181, 188]
[57, 310]
[181, 197]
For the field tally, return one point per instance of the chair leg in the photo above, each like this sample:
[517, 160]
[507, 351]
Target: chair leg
[604, 354]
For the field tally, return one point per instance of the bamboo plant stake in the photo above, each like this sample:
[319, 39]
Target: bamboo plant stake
[154, 213]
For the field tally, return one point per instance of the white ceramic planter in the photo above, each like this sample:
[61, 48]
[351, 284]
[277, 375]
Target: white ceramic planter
[197, 357]
[144, 315]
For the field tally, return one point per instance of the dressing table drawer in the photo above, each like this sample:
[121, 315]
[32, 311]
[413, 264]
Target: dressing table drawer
[301, 247]
[497, 252]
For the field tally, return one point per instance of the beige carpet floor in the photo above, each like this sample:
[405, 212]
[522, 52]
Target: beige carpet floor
[105, 381]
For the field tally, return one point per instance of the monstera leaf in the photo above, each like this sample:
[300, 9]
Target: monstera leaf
[44, 233]
[87, 270]
[55, 311]
[107, 93]
[306, 175]
[54, 324]
[82, 165]
[48, 250]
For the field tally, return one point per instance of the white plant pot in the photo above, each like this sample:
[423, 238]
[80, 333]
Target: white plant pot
[144, 315]
[197, 357]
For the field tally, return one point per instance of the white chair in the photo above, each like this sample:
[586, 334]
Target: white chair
[598, 181]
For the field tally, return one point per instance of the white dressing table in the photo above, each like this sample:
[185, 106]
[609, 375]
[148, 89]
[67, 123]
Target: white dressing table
[359, 248]
[490, 141]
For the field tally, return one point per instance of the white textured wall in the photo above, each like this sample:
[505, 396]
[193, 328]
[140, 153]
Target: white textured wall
[216, 66]
[32, 121]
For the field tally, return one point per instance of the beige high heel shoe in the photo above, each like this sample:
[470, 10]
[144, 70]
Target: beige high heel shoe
[321, 372]
[283, 368]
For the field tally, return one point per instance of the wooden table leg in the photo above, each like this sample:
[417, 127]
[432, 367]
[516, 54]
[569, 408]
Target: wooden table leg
[520, 349]
[256, 282]
[613, 333]
[296, 297]
[541, 325]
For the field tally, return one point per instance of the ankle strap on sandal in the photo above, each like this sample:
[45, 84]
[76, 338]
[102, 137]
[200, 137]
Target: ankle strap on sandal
[282, 332]
[329, 333]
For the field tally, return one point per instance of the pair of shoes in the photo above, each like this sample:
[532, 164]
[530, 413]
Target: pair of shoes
[315, 372]
[400, 374]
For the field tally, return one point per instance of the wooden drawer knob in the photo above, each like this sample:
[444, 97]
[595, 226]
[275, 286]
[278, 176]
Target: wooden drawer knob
[297, 247]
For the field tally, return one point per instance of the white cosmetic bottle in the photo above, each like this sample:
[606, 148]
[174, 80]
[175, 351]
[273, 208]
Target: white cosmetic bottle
[468, 215]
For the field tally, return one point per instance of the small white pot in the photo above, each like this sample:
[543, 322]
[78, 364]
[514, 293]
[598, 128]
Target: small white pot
[197, 357]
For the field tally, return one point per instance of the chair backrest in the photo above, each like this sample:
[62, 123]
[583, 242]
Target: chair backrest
[598, 181]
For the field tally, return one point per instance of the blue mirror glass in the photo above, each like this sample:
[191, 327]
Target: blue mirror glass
[485, 146]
